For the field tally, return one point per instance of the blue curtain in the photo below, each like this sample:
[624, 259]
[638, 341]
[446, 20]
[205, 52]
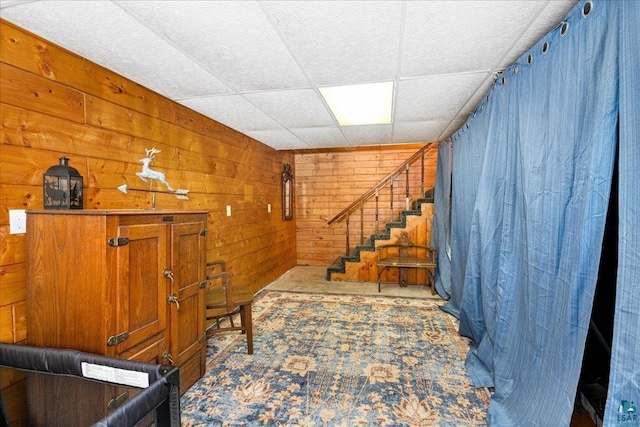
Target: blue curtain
[624, 381]
[531, 183]
[468, 151]
[441, 235]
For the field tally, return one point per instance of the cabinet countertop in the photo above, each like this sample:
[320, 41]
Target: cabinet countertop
[114, 211]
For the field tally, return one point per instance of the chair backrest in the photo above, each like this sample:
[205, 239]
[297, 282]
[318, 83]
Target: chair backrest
[219, 289]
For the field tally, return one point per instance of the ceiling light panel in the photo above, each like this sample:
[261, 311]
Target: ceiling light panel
[341, 42]
[362, 104]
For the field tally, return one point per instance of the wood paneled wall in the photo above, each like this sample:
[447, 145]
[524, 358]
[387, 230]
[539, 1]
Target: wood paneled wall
[54, 103]
[327, 182]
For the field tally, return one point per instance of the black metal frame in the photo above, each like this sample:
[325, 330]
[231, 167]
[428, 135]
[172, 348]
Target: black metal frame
[162, 396]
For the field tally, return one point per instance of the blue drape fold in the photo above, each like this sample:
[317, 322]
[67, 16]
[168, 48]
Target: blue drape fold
[442, 221]
[623, 397]
[532, 173]
[467, 154]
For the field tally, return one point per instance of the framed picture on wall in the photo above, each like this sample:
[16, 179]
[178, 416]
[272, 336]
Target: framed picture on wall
[287, 193]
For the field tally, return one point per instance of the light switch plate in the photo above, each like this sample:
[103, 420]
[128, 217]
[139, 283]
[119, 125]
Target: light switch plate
[228, 210]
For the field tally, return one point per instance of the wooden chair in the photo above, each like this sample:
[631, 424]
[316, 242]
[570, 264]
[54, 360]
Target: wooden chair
[224, 299]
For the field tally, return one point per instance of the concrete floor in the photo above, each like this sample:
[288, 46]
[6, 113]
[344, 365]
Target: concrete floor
[312, 279]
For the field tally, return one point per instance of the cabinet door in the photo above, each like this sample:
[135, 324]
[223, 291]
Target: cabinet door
[69, 301]
[141, 283]
[187, 343]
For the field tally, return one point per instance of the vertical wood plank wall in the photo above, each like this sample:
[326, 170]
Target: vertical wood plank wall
[327, 182]
[54, 103]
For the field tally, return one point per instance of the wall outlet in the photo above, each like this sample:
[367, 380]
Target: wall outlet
[17, 221]
[269, 208]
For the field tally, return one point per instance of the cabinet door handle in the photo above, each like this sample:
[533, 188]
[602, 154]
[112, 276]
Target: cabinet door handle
[168, 274]
[167, 358]
[174, 299]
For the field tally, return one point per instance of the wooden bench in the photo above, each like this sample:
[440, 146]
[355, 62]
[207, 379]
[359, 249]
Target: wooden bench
[405, 255]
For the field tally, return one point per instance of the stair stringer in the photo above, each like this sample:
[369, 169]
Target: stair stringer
[361, 266]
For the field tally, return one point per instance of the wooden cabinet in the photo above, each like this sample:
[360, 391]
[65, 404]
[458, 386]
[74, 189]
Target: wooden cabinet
[126, 283]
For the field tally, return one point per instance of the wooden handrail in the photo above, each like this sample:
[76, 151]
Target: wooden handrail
[381, 184]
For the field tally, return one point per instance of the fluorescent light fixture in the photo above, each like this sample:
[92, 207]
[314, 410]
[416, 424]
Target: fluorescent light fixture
[363, 104]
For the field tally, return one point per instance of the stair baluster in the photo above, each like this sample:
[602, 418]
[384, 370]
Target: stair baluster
[406, 188]
[377, 213]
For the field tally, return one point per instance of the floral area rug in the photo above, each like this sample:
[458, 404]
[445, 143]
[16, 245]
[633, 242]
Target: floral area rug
[338, 360]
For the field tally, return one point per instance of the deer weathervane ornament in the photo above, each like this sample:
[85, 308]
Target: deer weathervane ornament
[148, 174]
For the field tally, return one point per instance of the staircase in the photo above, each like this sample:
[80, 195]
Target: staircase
[359, 265]
[413, 216]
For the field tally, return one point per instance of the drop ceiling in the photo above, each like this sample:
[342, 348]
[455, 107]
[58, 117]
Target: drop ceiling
[257, 66]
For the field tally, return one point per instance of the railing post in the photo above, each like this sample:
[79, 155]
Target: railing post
[406, 187]
[391, 202]
[377, 216]
[362, 223]
[422, 176]
[347, 236]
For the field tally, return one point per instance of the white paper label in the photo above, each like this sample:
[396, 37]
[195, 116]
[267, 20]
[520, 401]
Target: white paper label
[115, 375]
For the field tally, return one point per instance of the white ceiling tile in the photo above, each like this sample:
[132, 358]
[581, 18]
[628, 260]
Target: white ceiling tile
[293, 108]
[233, 111]
[233, 39]
[427, 131]
[551, 16]
[457, 36]
[104, 34]
[340, 42]
[321, 137]
[481, 91]
[368, 134]
[279, 139]
[435, 98]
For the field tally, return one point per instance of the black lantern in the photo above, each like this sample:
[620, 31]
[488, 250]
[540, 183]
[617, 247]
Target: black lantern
[62, 187]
